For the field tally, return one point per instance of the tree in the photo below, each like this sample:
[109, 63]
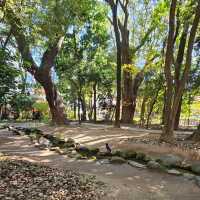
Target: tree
[84, 62]
[44, 23]
[8, 79]
[132, 37]
[114, 8]
[174, 93]
[22, 103]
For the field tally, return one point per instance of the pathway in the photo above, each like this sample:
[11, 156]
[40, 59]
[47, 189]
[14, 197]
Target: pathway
[124, 182]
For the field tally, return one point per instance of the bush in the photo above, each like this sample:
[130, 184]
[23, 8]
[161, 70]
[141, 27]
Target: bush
[43, 108]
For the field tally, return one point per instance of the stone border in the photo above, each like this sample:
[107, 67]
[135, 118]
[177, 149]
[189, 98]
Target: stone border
[169, 163]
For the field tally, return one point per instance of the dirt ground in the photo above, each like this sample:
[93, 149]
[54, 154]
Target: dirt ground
[124, 138]
[123, 181]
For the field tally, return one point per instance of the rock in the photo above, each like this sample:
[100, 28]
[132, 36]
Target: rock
[70, 140]
[128, 154]
[71, 149]
[186, 165]
[136, 164]
[28, 131]
[140, 156]
[83, 150]
[102, 155]
[117, 153]
[72, 154]
[103, 161]
[170, 160]
[197, 180]
[94, 151]
[1, 154]
[55, 141]
[154, 165]
[68, 145]
[188, 176]
[148, 158]
[174, 172]
[54, 148]
[117, 160]
[62, 151]
[196, 168]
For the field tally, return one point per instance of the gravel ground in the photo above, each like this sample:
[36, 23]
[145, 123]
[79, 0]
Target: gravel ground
[22, 180]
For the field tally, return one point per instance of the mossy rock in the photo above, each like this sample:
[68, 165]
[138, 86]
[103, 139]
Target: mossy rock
[101, 155]
[80, 157]
[71, 141]
[89, 152]
[29, 131]
[117, 153]
[67, 145]
[94, 151]
[154, 165]
[128, 154]
[196, 168]
[117, 160]
[35, 137]
[148, 158]
[140, 156]
[170, 160]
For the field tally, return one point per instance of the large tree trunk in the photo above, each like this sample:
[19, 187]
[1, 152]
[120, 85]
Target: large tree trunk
[129, 104]
[41, 73]
[177, 118]
[127, 92]
[142, 112]
[95, 101]
[53, 98]
[167, 134]
[173, 100]
[114, 8]
[83, 108]
[74, 106]
[152, 103]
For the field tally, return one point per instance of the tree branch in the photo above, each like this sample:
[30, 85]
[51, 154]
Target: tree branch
[7, 39]
[191, 44]
[21, 40]
[50, 54]
[111, 3]
[143, 40]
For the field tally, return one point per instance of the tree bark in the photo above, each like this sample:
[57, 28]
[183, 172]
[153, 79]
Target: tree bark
[142, 112]
[168, 128]
[79, 114]
[83, 108]
[95, 101]
[178, 115]
[75, 109]
[152, 103]
[114, 6]
[43, 73]
[53, 98]
[173, 100]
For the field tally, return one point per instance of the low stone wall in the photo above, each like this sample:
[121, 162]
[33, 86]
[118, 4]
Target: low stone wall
[171, 164]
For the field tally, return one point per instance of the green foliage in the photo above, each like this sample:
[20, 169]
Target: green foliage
[8, 77]
[22, 102]
[42, 107]
[84, 60]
